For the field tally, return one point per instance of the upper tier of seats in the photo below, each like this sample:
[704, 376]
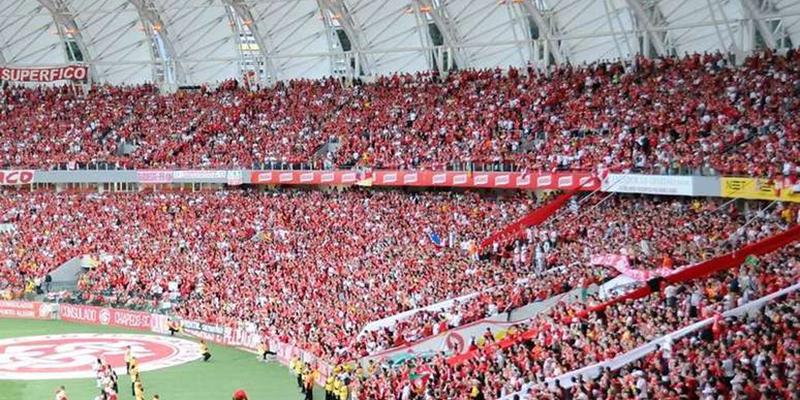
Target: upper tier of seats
[696, 113]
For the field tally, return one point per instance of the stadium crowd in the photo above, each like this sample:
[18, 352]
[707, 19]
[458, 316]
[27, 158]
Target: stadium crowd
[310, 265]
[312, 268]
[696, 113]
[565, 339]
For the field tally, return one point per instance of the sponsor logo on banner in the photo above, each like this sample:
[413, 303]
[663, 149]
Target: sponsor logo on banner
[460, 179]
[390, 177]
[154, 176]
[648, 184]
[564, 181]
[481, 179]
[16, 177]
[502, 180]
[328, 177]
[544, 180]
[439, 179]
[73, 356]
[234, 178]
[757, 189]
[410, 178]
[105, 316]
[285, 177]
[524, 180]
[199, 174]
[25, 309]
[261, 177]
[307, 177]
[349, 177]
[159, 323]
[455, 342]
[45, 74]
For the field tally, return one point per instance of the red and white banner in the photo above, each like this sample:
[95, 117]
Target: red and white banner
[306, 177]
[154, 176]
[492, 180]
[45, 74]
[106, 316]
[622, 264]
[16, 177]
[25, 309]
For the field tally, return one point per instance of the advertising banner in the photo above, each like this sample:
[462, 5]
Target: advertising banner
[154, 176]
[306, 177]
[649, 184]
[25, 309]
[234, 178]
[199, 175]
[16, 177]
[490, 180]
[759, 189]
[45, 74]
[105, 316]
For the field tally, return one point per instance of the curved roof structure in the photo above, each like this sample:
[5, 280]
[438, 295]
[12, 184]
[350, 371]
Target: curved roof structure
[190, 42]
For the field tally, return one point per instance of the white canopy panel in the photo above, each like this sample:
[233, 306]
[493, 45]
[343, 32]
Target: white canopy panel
[393, 32]
[493, 33]
[595, 30]
[703, 25]
[204, 39]
[207, 41]
[298, 39]
[28, 34]
[115, 39]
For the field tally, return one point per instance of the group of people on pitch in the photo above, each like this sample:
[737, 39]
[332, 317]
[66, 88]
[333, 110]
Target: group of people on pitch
[306, 376]
[106, 380]
[132, 368]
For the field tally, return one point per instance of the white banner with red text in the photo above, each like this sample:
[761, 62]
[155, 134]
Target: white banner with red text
[25, 309]
[106, 316]
[45, 74]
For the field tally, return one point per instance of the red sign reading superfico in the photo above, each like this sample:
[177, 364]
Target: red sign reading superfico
[16, 177]
[44, 74]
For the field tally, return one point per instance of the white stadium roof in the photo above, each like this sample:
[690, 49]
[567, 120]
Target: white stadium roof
[186, 42]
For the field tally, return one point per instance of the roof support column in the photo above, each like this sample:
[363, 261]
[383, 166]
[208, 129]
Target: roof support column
[449, 33]
[68, 30]
[752, 13]
[165, 53]
[656, 39]
[546, 31]
[357, 41]
[264, 47]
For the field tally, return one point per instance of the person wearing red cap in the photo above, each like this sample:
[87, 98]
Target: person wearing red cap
[240, 395]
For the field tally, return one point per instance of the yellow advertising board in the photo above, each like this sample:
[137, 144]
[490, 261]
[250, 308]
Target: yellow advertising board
[757, 189]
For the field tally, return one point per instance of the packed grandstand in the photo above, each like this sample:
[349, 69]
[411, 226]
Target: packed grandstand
[667, 266]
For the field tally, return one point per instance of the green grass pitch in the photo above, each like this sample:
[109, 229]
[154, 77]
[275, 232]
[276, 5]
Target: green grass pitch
[228, 370]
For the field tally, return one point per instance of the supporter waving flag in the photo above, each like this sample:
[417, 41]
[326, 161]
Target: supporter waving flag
[419, 377]
[435, 238]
